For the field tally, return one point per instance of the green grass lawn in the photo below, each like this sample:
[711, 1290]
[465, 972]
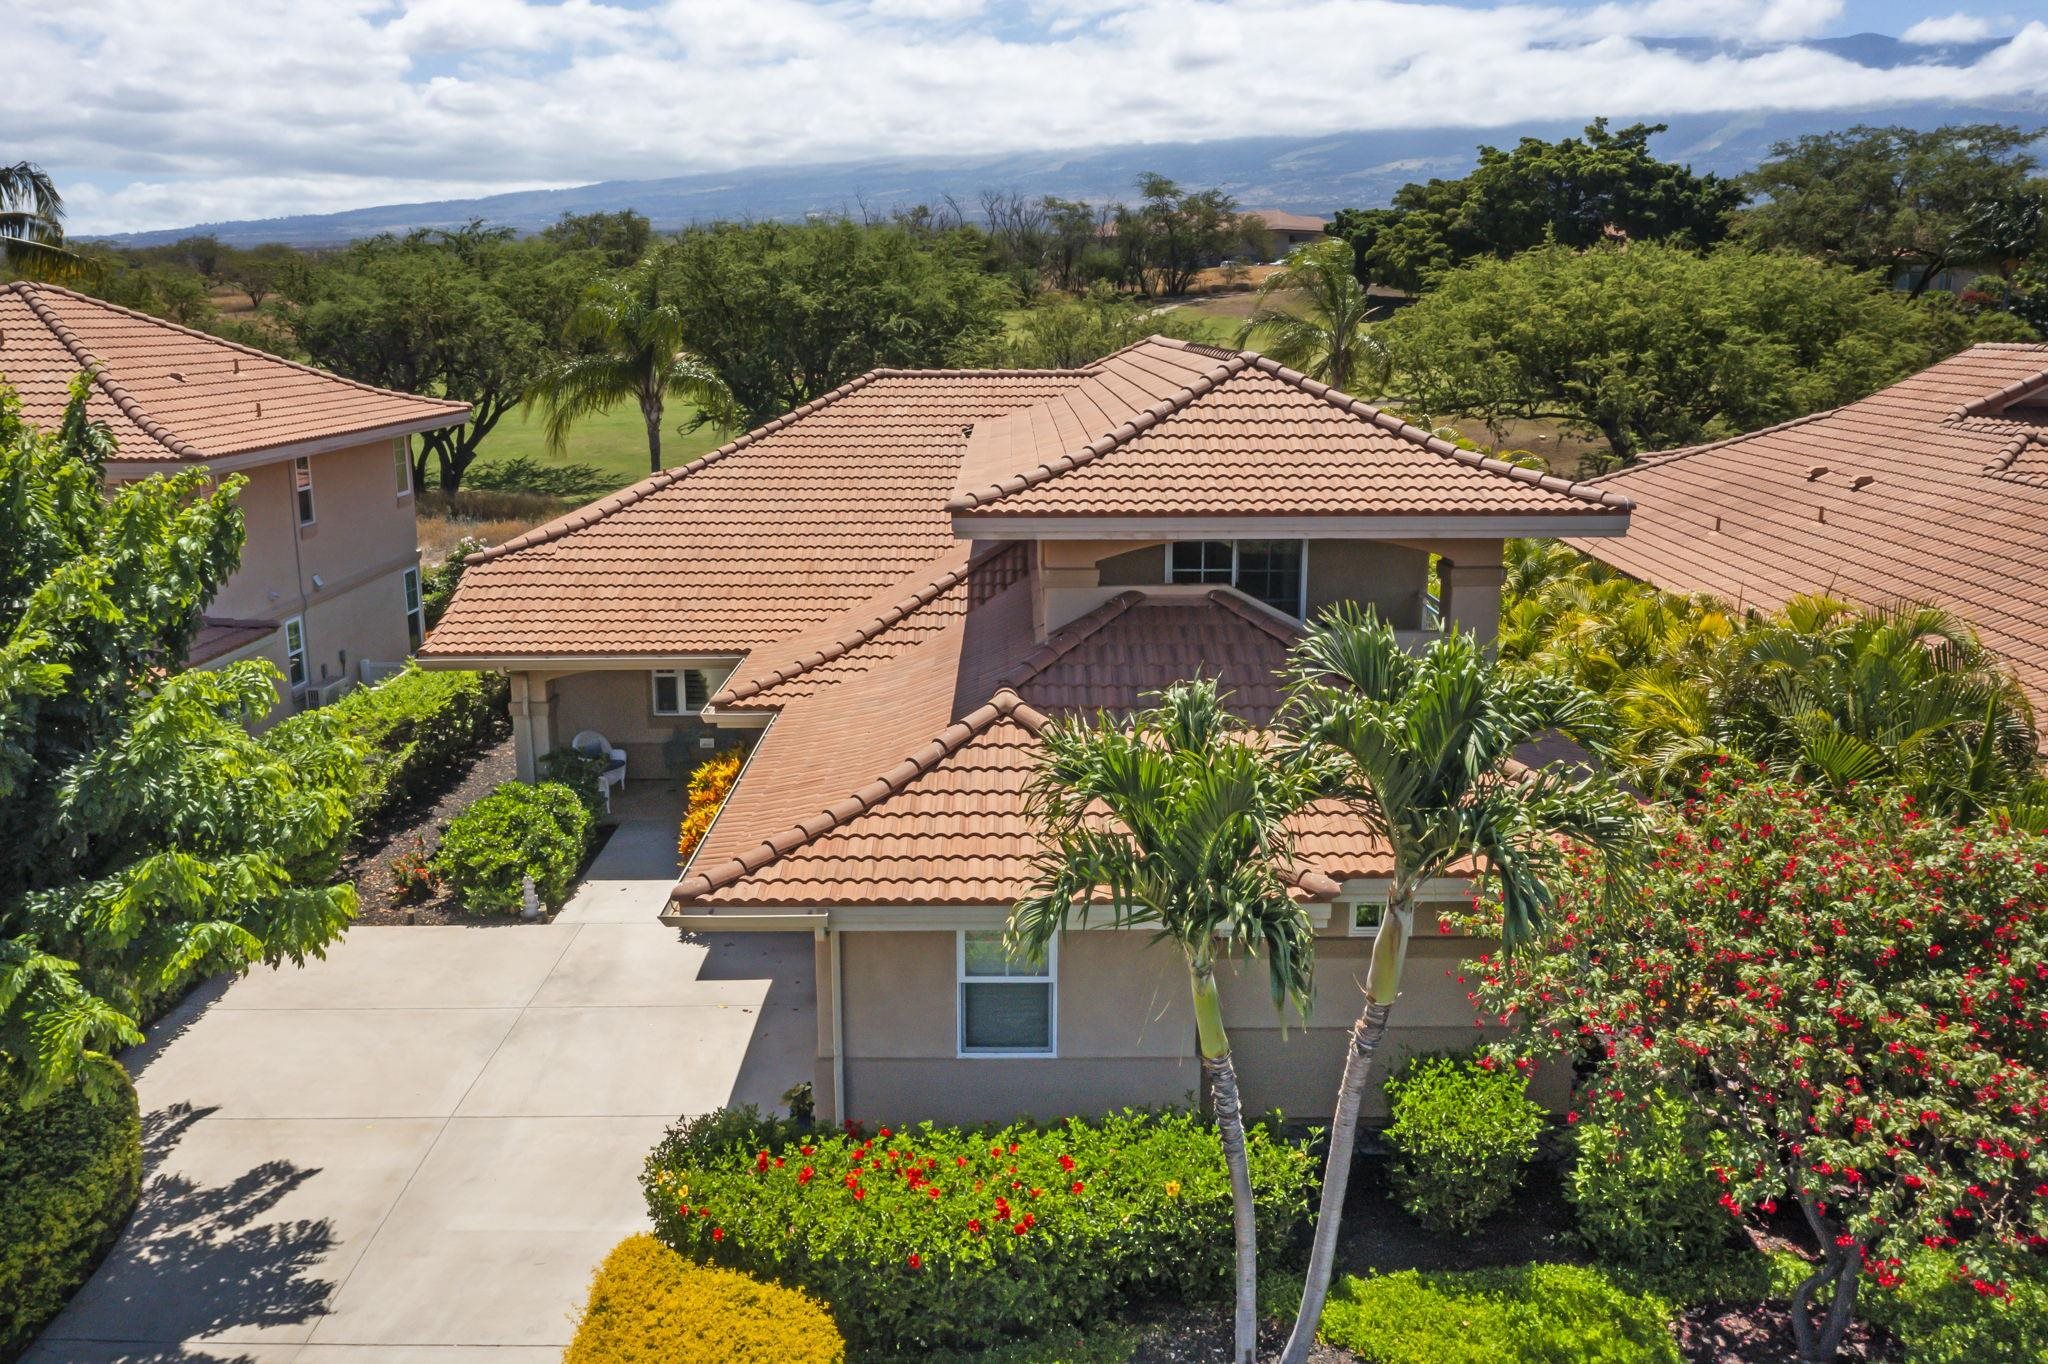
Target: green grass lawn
[615, 442]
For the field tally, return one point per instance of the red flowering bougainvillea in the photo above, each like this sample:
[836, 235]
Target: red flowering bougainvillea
[1855, 995]
[940, 1236]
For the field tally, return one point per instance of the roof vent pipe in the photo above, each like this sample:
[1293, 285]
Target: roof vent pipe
[1862, 481]
[1815, 472]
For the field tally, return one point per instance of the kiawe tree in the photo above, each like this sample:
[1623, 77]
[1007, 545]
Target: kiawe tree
[1178, 821]
[149, 836]
[1423, 751]
[1849, 993]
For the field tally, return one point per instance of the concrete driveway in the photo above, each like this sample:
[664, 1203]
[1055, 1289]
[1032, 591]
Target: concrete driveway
[419, 1148]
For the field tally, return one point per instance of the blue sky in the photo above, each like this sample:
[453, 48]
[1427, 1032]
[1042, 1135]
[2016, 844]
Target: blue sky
[165, 112]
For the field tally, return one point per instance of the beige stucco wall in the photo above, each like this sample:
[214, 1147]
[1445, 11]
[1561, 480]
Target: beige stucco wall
[1125, 1032]
[1391, 578]
[620, 706]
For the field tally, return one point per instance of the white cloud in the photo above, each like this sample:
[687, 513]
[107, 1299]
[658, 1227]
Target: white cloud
[164, 112]
[1955, 28]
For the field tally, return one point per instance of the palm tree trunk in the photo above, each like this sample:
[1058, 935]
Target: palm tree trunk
[1382, 984]
[650, 411]
[1221, 1073]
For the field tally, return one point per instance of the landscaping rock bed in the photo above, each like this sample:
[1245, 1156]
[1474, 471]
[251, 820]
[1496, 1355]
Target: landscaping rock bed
[369, 866]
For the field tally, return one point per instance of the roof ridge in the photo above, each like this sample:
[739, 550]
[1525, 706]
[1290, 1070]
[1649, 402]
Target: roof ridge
[122, 399]
[1047, 470]
[852, 638]
[1688, 451]
[997, 373]
[2018, 388]
[1436, 445]
[1063, 641]
[1004, 703]
[2009, 454]
[449, 404]
[591, 513]
[1255, 613]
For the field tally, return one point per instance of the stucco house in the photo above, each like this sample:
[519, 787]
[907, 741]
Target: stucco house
[1289, 230]
[328, 589]
[890, 590]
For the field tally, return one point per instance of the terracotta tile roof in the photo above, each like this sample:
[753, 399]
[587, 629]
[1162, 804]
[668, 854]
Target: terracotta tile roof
[1173, 428]
[169, 393]
[779, 532]
[1935, 490]
[221, 635]
[940, 817]
[1279, 220]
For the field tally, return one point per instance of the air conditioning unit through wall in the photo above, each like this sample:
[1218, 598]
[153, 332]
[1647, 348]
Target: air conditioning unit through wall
[325, 693]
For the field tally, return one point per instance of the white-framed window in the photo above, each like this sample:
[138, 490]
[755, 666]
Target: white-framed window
[1363, 917]
[302, 485]
[295, 653]
[680, 691]
[1273, 571]
[401, 465]
[1008, 1007]
[415, 612]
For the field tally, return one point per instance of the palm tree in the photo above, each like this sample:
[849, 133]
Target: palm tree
[1179, 820]
[1315, 316]
[32, 226]
[1424, 751]
[630, 334]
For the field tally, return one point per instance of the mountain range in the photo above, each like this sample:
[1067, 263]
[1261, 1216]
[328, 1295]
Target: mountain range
[1302, 174]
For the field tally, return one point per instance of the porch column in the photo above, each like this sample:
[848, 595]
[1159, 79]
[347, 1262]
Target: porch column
[530, 726]
[1471, 597]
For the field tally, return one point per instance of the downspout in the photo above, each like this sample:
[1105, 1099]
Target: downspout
[839, 1113]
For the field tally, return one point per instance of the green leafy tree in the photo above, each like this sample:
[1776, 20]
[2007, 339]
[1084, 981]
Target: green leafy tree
[1899, 200]
[1655, 346]
[785, 312]
[1196, 846]
[1066, 333]
[1424, 753]
[32, 227]
[1178, 233]
[1578, 191]
[1315, 317]
[260, 271]
[471, 315]
[150, 836]
[628, 333]
[621, 238]
[1845, 993]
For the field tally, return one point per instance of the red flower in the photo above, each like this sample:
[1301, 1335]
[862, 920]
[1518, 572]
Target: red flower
[859, 1194]
[1018, 1229]
[1067, 1164]
[915, 1261]
[974, 1225]
[882, 1133]
[803, 1176]
[1078, 1186]
[718, 1233]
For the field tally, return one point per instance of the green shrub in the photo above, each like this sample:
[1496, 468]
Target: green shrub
[1640, 1183]
[944, 1237]
[1940, 1318]
[1532, 1314]
[648, 1305]
[1463, 1137]
[516, 831]
[579, 772]
[70, 1169]
[412, 729]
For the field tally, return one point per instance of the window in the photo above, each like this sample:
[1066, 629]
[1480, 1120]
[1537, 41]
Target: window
[1366, 916]
[302, 481]
[401, 465]
[1006, 1005]
[1273, 571]
[415, 617]
[680, 691]
[295, 653]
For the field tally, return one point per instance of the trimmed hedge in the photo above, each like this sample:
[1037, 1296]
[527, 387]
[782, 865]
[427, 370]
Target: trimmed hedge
[70, 1170]
[946, 1237]
[411, 729]
[648, 1305]
[1463, 1136]
[514, 832]
[1532, 1314]
[1640, 1186]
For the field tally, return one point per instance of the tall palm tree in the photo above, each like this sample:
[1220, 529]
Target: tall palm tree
[629, 334]
[1315, 316]
[1423, 748]
[1179, 820]
[32, 226]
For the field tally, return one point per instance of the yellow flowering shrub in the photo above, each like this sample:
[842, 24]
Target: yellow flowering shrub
[707, 790]
[648, 1305]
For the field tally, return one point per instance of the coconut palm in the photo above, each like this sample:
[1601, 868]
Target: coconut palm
[1315, 317]
[1178, 820]
[32, 226]
[629, 339]
[1423, 747]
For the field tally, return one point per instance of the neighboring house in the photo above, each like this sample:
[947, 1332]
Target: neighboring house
[328, 588]
[1290, 230]
[1934, 490]
[892, 589]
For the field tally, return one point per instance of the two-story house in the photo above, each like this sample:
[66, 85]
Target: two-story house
[328, 588]
[892, 589]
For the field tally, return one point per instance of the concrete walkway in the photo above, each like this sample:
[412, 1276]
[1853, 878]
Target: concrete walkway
[419, 1148]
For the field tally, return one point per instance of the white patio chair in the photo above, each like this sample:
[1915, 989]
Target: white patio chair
[595, 745]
